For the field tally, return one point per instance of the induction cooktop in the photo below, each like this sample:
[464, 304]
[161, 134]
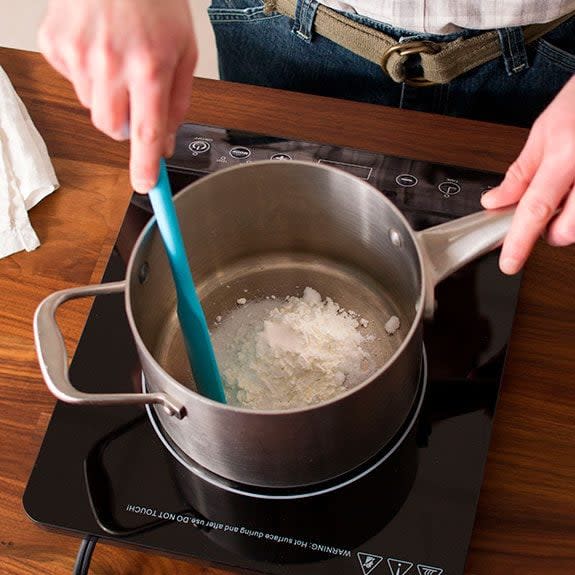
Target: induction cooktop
[107, 472]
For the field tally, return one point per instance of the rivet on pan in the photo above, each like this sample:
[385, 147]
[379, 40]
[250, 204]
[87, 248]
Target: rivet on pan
[143, 273]
[395, 238]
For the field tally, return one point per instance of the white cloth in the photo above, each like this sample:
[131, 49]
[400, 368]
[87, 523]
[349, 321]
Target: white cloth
[446, 16]
[26, 172]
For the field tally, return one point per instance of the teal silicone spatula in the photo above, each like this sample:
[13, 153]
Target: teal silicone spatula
[190, 313]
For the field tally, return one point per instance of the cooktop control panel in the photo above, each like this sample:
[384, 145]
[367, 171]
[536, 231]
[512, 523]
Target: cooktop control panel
[436, 190]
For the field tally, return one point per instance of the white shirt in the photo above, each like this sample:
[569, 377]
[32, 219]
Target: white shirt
[445, 16]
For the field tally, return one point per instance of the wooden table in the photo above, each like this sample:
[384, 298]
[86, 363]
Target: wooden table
[526, 518]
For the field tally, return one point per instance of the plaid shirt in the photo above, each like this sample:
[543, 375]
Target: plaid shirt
[445, 16]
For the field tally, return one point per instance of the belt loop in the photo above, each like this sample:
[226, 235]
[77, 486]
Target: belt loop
[304, 18]
[513, 49]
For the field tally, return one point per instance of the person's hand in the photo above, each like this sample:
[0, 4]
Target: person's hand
[131, 63]
[542, 182]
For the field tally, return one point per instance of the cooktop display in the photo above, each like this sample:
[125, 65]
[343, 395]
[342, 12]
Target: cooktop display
[107, 472]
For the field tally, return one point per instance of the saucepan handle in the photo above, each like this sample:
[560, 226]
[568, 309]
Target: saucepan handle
[53, 359]
[447, 247]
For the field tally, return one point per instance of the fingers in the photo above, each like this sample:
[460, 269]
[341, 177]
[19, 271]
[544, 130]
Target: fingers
[561, 231]
[122, 58]
[513, 187]
[76, 55]
[537, 206]
[180, 95]
[50, 51]
[149, 101]
[109, 97]
[67, 53]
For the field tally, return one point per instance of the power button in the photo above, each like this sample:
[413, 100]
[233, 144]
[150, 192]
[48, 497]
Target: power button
[199, 146]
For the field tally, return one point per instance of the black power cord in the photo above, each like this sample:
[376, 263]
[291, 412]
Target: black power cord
[84, 555]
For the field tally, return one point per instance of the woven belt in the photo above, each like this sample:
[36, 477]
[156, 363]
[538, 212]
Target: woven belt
[440, 62]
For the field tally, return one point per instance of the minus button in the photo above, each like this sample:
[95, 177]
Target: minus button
[406, 180]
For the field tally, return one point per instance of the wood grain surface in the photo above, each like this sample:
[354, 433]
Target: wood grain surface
[526, 517]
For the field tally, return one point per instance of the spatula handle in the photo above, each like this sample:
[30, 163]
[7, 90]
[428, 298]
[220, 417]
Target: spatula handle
[190, 311]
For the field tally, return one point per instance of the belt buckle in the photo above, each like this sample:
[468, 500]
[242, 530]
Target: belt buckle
[408, 48]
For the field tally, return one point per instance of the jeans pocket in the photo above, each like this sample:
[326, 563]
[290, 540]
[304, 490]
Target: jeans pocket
[222, 11]
[555, 55]
[557, 48]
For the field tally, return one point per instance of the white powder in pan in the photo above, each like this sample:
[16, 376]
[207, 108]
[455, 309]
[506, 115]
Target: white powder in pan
[290, 353]
[392, 325]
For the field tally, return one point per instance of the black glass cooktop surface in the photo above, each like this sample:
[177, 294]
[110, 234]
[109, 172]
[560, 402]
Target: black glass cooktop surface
[104, 471]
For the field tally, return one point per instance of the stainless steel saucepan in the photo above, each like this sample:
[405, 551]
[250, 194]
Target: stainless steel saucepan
[273, 228]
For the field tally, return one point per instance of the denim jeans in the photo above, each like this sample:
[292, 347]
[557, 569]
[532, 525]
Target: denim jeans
[259, 48]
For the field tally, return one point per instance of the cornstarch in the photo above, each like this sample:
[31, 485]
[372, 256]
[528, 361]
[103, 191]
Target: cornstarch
[280, 354]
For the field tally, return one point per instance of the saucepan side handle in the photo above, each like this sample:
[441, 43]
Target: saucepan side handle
[53, 359]
[447, 247]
